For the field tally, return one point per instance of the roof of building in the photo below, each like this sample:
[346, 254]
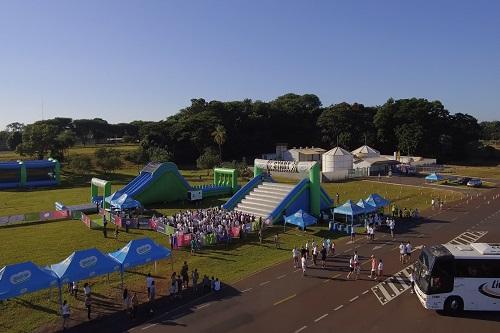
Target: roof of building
[337, 151]
[376, 160]
[309, 150]
[365, 150]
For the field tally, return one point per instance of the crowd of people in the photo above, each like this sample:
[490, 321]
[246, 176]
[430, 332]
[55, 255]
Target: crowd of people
[202, 222]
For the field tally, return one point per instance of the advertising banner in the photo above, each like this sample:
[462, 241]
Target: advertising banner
[4, 220]
[16, 218]
[31, 216]
[86, 220]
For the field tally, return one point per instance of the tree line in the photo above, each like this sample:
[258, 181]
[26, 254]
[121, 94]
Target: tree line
[215, 130]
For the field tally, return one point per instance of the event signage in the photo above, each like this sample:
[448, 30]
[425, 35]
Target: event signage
[142, 250]
[20, 277]
[88, 262]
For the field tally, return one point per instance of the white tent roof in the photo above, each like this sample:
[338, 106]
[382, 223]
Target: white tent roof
[337, 151]
[365, 150]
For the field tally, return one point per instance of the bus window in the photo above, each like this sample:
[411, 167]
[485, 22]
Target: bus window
[442, 276]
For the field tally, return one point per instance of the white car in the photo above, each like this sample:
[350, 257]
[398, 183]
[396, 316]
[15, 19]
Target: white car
[474, 183]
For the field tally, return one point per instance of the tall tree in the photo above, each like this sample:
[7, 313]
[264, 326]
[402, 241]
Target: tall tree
[219, 136]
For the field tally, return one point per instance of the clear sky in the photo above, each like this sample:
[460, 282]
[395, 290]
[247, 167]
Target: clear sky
[127, 60]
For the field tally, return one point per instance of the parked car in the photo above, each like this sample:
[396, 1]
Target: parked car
[462, 180]
[474, 183]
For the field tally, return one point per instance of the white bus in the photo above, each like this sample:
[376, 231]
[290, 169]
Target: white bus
[459, 277]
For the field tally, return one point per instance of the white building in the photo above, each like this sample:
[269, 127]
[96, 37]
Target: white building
[295, 154]
[336, 164]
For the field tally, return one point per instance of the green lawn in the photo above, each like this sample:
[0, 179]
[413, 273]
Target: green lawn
[51, 242]
[474, 171]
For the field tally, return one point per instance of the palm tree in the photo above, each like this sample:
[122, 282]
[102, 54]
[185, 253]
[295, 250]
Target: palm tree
[219, 136]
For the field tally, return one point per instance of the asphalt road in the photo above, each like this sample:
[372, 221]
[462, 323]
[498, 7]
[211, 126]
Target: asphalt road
[280, 299]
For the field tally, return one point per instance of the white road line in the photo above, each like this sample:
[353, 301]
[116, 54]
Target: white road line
[149, 326]
[319, 318]
[336, 276]
[264, 283]
[348, 250]
[300, 329]
[366, 292]
[401, 281]
[393, 287]
[281, 276]
[338, 307]
[385, 293]
[353, 299]
[454, 219]
[244, 291]
[202, 306]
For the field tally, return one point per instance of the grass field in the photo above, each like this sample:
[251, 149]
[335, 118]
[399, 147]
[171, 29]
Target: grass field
[48, 243]
[474, 171]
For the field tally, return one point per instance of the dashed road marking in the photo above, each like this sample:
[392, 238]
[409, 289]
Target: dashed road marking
[202, 306]
[338, 308]
[366, 292]
[264, 283]
[244, 291]
[149, 326]
[353, 299]
[300, 329]
[319, 318]
[285, 299]
[280, 277]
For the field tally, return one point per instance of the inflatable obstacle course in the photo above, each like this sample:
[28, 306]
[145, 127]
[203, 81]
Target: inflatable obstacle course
[264, 197]
[162, 182]
[30, 174]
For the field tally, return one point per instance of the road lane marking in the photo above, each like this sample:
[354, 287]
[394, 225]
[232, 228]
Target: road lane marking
[202, 306]
[454, 219]
[281, 276]
[319, 318]
[149, 326]
[285, 299]
[366, 292]
[244, 291]
[353, 299]
[348, 250]
[338, 307]
[300, 329]
[264, 283]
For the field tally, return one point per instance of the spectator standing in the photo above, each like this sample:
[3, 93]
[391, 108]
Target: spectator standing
[408, 250]
[135, 305]
[195, 277]
[152, 295]
[116, 232]
[65, 314]
[337, 198]
[149, 282]
[351, 267]
[304, 265]
[127, 225]
[323, 257]
[315, 254]
[217, 285]
[104, 224]
[88, 305]
[392, 224]
[185, 275]
[295, 256]
[125, 297]
[277, 241]
[86, 289]
[402, 251]
[75, 288]
[380, 272]
[373, 272]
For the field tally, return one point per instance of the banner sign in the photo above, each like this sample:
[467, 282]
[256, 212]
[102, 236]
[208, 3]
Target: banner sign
[4, 220]
[86, 220]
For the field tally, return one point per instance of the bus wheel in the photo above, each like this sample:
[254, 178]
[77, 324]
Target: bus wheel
[453, 305]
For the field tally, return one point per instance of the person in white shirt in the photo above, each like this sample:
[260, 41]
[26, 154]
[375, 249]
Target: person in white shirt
[392, 224]
[303, 261]
[402, 250]
[408, 249]
[65, 313]
[217, 285]
[86, 289]
[295, 255]
[380, 271]
[351, 267]
[149, 282]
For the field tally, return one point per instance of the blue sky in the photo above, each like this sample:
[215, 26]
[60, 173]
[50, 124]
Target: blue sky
[127, 60]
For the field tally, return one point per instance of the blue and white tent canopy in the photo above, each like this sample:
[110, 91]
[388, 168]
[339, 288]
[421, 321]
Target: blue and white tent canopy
[139, 252]
[377, 201]
[301, 219]
[85, 264]
[434, 177]
[25, 277]
[366, 206]
[349, 208]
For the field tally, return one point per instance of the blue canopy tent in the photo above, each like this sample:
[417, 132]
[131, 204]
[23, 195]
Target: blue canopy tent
[366, 206]
[434, 177]
[85, 264]
[301, 219]
[25, 277]
[377, 201]
[139, 252]
[349, 208]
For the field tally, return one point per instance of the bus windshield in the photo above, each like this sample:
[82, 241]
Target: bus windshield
[422, 272]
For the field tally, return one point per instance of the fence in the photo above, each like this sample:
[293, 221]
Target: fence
[34, 217]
